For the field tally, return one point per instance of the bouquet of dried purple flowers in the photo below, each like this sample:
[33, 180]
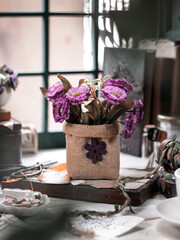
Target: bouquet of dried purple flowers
[81, 105]
[7, 78]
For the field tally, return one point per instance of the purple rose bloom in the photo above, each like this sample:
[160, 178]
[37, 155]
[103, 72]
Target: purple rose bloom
[77, 95]
[119, 83]
[55, 92]
[130, 125]
[2, 88]
[13, 79]
[138, 110]
[113, 95]
[61, 110]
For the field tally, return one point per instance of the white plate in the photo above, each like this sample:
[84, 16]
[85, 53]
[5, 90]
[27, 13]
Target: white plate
[169, 210]
[23, 211]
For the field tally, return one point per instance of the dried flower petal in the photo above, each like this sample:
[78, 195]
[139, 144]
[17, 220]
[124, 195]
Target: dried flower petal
[8, 78]
[8, 69]
[130, 125]
[113, 95]
[13, 79]
[138, 110]
[77, 95]
[55, 92]
[61, 110]
[119, 83]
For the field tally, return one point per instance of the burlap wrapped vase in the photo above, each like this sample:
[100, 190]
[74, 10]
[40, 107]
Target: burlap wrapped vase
[93, 151]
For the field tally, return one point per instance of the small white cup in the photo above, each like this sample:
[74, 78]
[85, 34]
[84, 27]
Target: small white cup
[177, 177]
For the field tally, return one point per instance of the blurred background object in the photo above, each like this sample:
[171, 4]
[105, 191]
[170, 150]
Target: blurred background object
[29, 138]
[10, 143]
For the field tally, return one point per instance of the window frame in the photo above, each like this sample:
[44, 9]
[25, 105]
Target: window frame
[48, 139]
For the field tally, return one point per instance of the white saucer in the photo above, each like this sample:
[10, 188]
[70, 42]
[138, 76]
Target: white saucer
[169, 210]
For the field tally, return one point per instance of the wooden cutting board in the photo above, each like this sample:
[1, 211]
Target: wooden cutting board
[89, 193]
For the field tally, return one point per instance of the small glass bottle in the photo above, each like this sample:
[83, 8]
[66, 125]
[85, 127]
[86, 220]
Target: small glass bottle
[147, 144]
[152, 137]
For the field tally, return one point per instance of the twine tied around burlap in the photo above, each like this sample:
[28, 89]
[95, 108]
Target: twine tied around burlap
[78, 165]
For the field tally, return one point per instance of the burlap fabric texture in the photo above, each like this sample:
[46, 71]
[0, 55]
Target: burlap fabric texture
[78, 165]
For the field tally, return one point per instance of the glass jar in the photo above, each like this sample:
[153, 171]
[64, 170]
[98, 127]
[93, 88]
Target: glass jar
[171, 124]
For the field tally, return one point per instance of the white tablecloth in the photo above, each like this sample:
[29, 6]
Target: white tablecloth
[147, 230]
[152, 227]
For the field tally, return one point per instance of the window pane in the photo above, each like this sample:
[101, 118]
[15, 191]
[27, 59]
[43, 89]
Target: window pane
[20, 5]
[74, 80]
[25, 103]
[106, 5]
[108, 37]
[70, 43]
[21, 43]
[70, 6]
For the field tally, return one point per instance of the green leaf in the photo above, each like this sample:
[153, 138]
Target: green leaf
[95, 80]
[164, 160]
[66, 84]
[118, 110]
[106, 77]
[163, 185]
[169, 176]
[177, 144]
[174, 138]
[44, 91]
[159, 153]
[177, 165]
[170, 145]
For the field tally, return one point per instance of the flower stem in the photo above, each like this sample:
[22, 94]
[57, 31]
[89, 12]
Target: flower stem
[100, 103]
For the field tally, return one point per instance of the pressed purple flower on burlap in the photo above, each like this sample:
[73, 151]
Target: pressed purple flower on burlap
[55, 92]
[138, 110]
[130, 125]
[77, 95]
[61, 110]
[113, 95]
[119, 83]
[95, 150]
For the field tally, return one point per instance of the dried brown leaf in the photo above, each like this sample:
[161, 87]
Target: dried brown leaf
[90, 106]
[118, 110]
[81, 81]
[44, 91]
[94, 111]
[66, 84]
